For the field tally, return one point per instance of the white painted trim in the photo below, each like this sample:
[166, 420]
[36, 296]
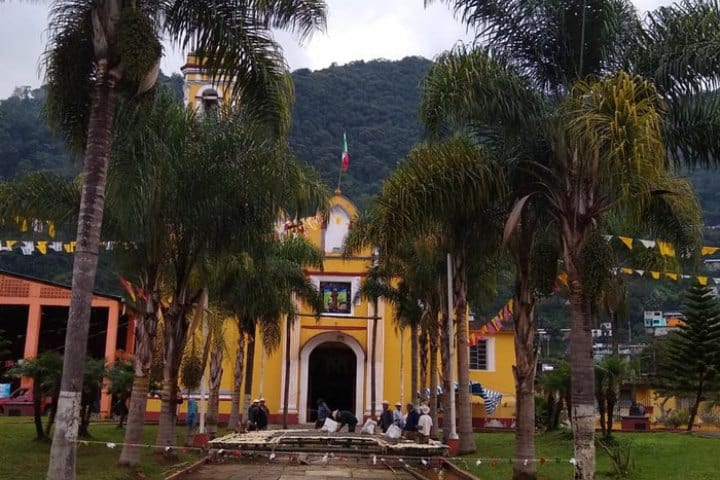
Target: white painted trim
[308, 348]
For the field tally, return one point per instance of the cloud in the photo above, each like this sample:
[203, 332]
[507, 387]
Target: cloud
[357, 30]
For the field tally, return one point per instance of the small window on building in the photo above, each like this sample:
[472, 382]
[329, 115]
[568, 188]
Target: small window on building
[479, 356]
[209, 100]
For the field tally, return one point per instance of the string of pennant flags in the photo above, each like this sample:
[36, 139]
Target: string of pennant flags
[665, 248]
[28, 247]
[326, 457]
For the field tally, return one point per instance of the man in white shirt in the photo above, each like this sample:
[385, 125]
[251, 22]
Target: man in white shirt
[424, 425]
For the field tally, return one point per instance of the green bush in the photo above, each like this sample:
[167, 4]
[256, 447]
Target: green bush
[676, 418]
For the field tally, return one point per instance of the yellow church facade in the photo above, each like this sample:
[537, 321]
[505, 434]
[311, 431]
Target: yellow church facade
[330, 355]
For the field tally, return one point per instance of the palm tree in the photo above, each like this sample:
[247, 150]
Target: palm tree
[45, 371]
[450, 187]
[578, 39]
[98, 50]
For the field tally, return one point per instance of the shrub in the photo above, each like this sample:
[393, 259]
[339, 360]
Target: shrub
[620, 453]
[675, 418]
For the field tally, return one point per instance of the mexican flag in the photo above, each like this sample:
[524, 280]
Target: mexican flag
[345, 159]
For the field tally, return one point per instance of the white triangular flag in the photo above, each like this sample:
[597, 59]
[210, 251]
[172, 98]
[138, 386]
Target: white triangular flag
[640, 272]
[607, 237]
[6, 248]
[56, 246]
[648, 243]
[685, 277]
[27, 248]
[716, 280]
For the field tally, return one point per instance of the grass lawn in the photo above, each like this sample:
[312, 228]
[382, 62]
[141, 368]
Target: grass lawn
[21, 458]
[656, 456]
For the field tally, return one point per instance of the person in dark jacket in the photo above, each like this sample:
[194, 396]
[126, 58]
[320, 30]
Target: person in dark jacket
[343, 417]
[263, 415]
[323, 412]
[411, 422]
[253, 415]
[386, 416]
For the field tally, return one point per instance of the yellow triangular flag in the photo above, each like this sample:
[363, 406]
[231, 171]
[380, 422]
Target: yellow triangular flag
[709, 250]
[666, 249]
[655, 275]
[627, 241]
[42, 247]
[51, 228]
[563, 277]
[69, 247]
[674, 276]
[24, 225]
[702, 279]
[511, 305]
[627, 271]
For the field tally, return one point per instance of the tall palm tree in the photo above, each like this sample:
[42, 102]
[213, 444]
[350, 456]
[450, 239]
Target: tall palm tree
[98, 50]
[578, 39]
[450, 187]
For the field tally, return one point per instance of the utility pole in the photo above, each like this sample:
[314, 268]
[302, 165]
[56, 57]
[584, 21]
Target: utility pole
[451, 357]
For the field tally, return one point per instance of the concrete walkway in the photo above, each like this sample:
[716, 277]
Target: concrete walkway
[244, 471]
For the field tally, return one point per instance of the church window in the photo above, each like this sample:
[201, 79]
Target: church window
[479, 356]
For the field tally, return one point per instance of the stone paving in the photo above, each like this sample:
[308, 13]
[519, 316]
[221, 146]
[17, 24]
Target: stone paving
[244, 471]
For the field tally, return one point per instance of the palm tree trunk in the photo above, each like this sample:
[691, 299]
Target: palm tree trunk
[446, 373]
[286, 386]
[524, 372]
[615, 325]
[234, 419]
[611, 401]
[97, 156]
[582, 414]
[424, 341]
[434, 378]
[51, 416]
[130, 455]
[373, 393]
[145, 338]
[464, 408]
[214, 401]
[600, 397]
[175, 336]
[37, 410]
[414, 354]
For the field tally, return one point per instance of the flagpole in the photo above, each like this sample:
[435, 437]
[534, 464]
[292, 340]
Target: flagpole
[339, 177]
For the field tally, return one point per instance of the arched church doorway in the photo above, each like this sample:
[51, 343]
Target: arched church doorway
[332, 375]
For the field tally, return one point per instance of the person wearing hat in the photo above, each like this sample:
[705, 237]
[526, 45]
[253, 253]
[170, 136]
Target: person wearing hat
[252, 417]
[424, 425]
[263, 415]
[344, 417]
[398, 416]
[411, 422]
[386, 416]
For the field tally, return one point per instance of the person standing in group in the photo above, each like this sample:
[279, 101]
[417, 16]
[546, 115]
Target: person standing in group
[263, 415]
[424, 425]
[191, 419]
[386, 416]
[344, 417]
[398, 416]
[323, 412]
[253, 415]
[411, 422]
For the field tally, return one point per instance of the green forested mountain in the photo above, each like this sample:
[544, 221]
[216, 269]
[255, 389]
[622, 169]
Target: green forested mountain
[375, 103]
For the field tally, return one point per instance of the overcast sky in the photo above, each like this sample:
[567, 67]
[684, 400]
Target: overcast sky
[357, 29]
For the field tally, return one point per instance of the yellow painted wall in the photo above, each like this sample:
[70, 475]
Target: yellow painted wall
[268, 366]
